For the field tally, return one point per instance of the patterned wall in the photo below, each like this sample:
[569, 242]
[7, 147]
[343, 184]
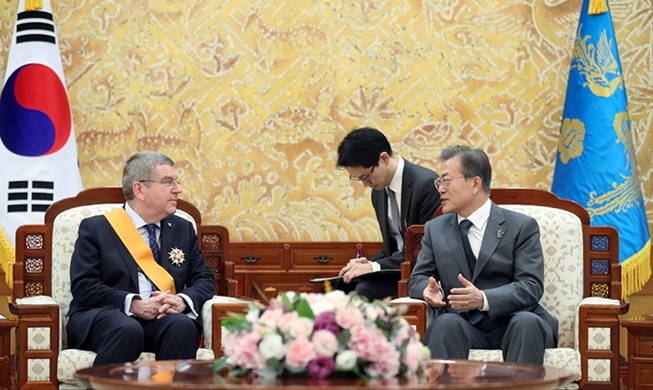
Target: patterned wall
[252, 98]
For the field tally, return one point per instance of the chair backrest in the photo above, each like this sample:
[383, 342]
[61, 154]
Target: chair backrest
[579, 260]
[43, 252]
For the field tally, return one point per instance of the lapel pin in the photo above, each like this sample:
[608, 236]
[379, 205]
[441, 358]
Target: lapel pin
[500, 233]
[169, 224]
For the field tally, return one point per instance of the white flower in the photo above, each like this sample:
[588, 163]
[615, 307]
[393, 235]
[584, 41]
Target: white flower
[271, 347]
[321, 306]
[176, 256]
[346, 360]
[301, 327]
[252, 315]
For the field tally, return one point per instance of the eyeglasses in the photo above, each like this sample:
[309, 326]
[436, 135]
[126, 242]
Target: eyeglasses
[444, 183]
[364, 177]
[167, 182]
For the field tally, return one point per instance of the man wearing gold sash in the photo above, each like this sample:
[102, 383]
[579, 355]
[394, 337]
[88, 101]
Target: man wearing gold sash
[138, 277]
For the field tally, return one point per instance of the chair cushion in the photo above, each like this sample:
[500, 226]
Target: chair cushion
[71, 360]
[561, 236]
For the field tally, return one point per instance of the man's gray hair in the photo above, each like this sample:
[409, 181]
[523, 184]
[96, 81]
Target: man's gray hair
[142, 166]
[473, 162]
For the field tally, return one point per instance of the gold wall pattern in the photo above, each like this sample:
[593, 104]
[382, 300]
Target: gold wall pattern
[252, 98]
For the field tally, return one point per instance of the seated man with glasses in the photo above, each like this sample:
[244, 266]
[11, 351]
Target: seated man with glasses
[403, 194]
[137, 276]
[483, 267]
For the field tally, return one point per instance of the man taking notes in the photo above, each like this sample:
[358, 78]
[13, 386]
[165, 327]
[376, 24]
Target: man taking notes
[138, 278]
[403, 194]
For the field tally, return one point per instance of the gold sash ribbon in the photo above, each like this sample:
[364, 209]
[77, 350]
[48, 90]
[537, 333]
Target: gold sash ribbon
[140, 251]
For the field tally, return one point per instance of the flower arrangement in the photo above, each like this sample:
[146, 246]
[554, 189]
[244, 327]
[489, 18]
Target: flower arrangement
[322, 335]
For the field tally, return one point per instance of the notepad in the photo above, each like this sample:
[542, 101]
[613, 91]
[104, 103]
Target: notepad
[380, 273]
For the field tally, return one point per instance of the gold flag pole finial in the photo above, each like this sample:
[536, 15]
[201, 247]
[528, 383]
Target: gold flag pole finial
[33, 5]
[597, 7]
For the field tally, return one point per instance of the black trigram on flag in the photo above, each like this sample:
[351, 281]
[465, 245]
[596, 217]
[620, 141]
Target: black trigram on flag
[35, 26]
[29, 196]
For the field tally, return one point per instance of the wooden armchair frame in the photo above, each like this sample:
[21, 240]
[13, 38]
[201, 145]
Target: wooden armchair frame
[601, 278]
[33, 277]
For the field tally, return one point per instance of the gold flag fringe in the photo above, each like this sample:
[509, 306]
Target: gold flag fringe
[597, 7]
[7, 258]
[636, 271]
[33, 5]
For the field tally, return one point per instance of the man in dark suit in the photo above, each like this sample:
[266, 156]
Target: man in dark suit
[138, 277]
[489, 264]
[403, 194]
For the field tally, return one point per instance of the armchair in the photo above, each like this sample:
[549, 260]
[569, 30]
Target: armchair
[582, 286]
[41, 291]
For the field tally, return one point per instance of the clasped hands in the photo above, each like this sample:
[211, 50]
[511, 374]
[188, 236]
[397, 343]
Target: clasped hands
[467, 297]
[158, 305]
[354, 268]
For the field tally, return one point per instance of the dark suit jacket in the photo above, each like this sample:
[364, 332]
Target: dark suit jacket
[419, 200]
[509, 270]
[102, 272]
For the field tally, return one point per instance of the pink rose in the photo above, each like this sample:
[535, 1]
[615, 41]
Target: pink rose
[301, 327]
[325, 343]
[270, 317]
[349, 317]
[412, 357]
[285, 320]
[299, 352]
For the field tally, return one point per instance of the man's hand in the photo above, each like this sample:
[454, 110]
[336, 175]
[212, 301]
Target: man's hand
[354, 268]
[170, 304]
[466, 298]
[147, 309]
[433, 295]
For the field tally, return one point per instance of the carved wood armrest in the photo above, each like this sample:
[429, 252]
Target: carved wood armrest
[34, 307]
[220, 311]
[595, 315]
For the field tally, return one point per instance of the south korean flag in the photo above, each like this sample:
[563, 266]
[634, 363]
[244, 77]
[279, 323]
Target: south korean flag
[38, 154]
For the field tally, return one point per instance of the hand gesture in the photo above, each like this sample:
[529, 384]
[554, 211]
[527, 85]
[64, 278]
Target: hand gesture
[467, 297]
[433, 295]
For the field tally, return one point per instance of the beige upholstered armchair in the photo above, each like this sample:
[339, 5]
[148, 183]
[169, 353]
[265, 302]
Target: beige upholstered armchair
[41, 293]
[582, 286]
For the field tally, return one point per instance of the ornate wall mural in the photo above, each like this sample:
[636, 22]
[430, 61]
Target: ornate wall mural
[252, 98]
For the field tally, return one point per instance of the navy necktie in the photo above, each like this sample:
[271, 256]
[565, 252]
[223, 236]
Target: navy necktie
[464, 226]
[154, 245]
[474, 315]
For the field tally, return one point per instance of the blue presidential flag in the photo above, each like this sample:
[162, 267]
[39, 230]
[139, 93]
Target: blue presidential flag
[38, 154]
[595, 162]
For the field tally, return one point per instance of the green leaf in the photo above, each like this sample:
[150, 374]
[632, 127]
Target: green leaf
[220, 364]
[343, 338]
[286, 302]
[304, 309]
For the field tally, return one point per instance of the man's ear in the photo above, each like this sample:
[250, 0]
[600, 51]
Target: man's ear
[478, 183]
[137, 188]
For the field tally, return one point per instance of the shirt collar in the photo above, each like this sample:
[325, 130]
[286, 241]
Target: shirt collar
[480, 216]
[398, 178]
[136, 219]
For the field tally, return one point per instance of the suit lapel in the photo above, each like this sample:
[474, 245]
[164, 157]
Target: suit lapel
[494, 232]
[456, 247]
[167, 228]
[127, 258]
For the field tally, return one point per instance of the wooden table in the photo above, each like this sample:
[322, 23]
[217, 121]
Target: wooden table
[441, 374]
[640, 352]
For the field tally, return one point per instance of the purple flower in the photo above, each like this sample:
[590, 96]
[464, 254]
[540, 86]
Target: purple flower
[326, 320]
[321, 367]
